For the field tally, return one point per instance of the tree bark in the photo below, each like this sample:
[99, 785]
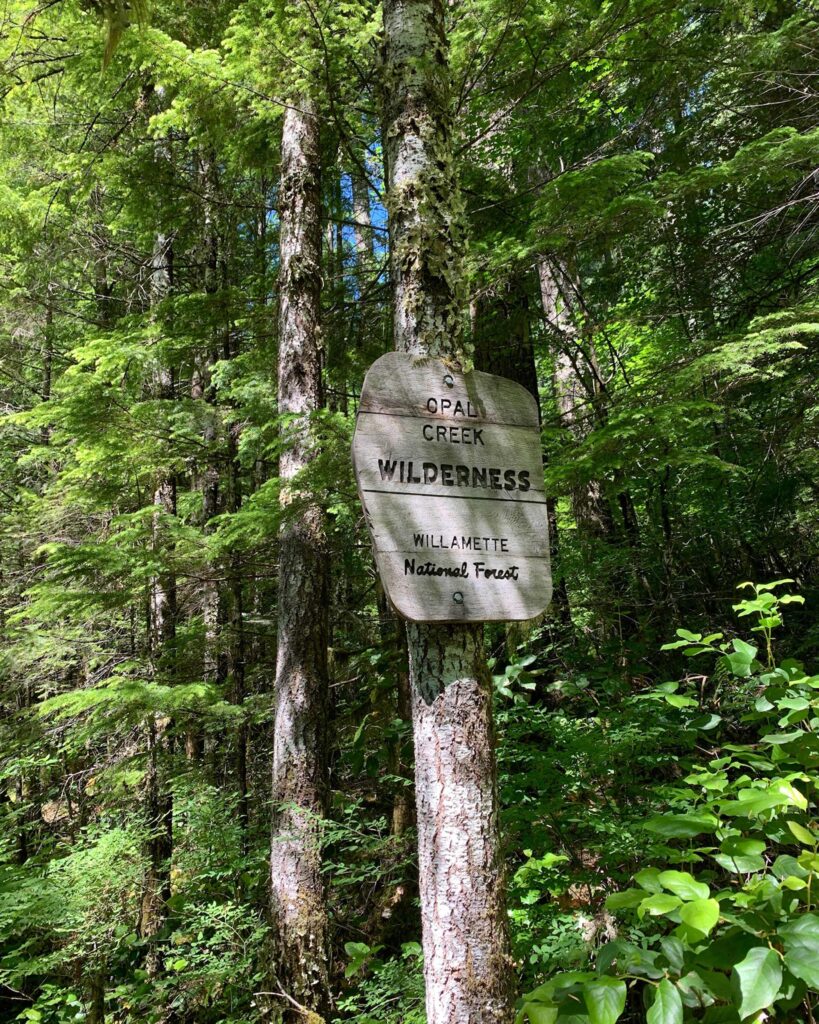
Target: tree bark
[501, 335]
[238, 647]
[210, 481]
[300, 767]
[161, 636]
[577, 388]
[467, 966]
[362, 223]
[207, 479]
[500, 322]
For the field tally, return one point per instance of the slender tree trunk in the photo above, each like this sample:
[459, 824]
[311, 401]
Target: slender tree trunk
[467, 966]
[208, 482]
[238, 646]
[366, 271]
[362, 223]
[300, 728]
[95, 988]
[501, 334]
[581, 398]
[503, 344]
[576, 378]
[402, 809]
[161, 636]
[336, 325]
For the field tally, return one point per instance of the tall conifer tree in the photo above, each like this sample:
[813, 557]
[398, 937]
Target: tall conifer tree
[300, 730]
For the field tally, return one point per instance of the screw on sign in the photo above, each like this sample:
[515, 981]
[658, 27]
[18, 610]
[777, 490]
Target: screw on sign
[450, 473]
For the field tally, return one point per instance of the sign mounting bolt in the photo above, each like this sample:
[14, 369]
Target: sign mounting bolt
[458, 597]
[449, 380]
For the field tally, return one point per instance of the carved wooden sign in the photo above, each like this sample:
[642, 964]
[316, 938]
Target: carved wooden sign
[450, 474]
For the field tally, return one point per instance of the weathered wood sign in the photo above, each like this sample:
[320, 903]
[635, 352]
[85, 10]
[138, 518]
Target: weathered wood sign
[450, 474]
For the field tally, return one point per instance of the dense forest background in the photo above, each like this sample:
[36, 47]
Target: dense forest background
[639, 205]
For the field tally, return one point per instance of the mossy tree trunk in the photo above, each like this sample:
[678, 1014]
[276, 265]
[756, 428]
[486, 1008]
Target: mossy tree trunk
[467, 965]
[300, 784]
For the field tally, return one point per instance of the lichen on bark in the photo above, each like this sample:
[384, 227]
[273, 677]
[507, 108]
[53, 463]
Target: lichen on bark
[423, 201]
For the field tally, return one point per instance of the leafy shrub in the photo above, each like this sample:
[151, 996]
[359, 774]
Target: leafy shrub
[726, 928]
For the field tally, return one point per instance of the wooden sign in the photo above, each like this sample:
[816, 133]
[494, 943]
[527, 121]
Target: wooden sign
[450, 474]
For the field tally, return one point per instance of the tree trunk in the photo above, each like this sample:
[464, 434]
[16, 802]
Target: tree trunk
[208, 481]
[336, 324]
[362, 224]
[238, 646]
[577, 388]
[300, 727]
[501, 335]
[503, 345]
[581, 398]
[161, 635]
[467, 966]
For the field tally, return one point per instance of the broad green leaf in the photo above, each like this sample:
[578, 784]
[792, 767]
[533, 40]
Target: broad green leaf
[658, 904]
[745, 649]
[545, 993]
[779, 739]
[674, 951]
[706, 722]
[704, 984]
[791, 794]
[682, 826]
[785, 865]
[684, 885]
[742, 846]
[803, 963]
[753, 802]
[738, 664]
[802, 931]
[626, 899]
[618, 949]
[605, 999]
[701, 915]
[794, 703]
[756, 980]
[358, 952]
[739, 865]
[741, 856]
[802, 833]
[678, 700]
[667, 1005]
[538, 1013]
[728, 950]
[649, 879]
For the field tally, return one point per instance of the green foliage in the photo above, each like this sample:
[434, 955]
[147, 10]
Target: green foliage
[737, 928]
[393, 990]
